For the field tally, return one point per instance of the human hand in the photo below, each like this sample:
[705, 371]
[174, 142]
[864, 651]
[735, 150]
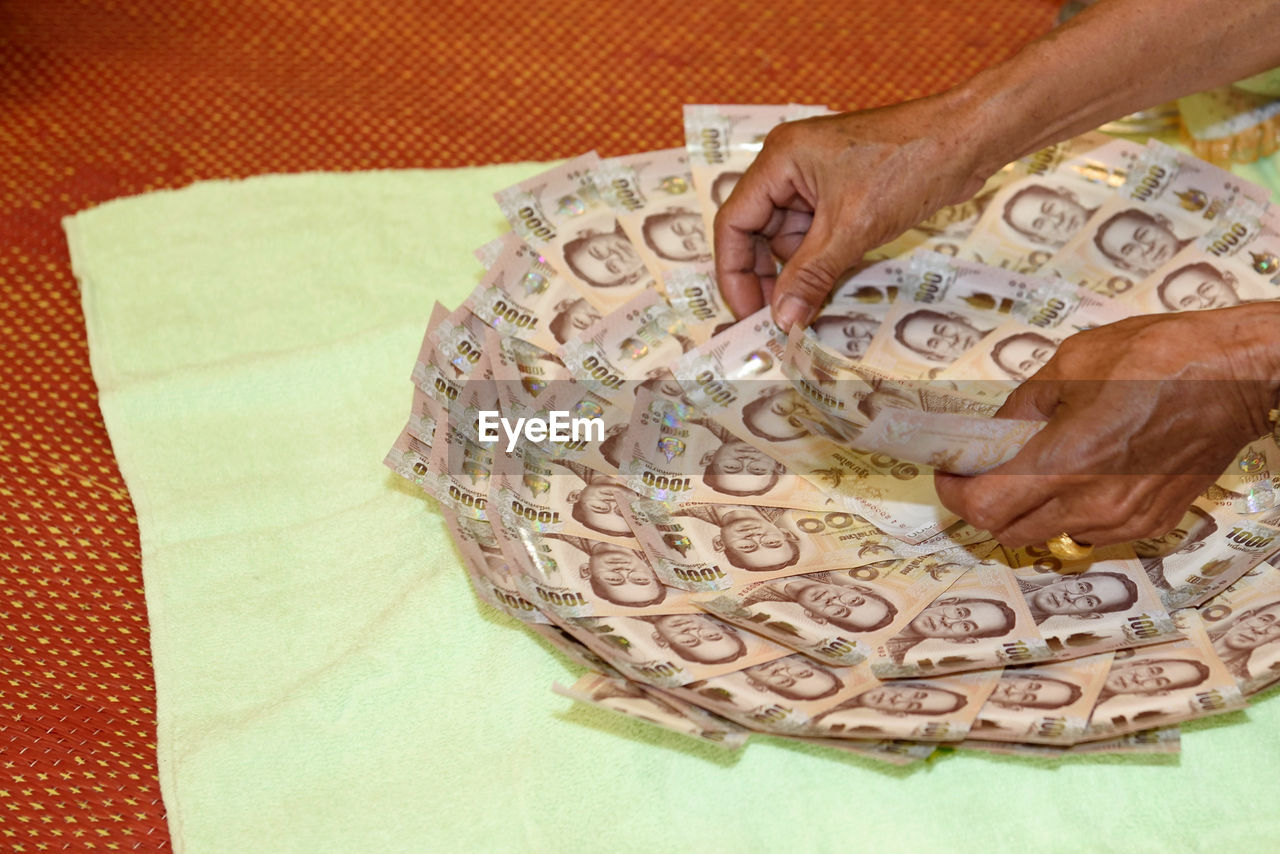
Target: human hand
[1143, 415]
[825, 190]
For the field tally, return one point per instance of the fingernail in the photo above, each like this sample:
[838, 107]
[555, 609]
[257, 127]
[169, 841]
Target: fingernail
[793, 310]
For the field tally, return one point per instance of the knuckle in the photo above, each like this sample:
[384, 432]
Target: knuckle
[813, 279]
[781, 135]
[981, 514]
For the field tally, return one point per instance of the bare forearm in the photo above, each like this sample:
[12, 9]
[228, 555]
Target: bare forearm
[1116, 57]
[825, 191]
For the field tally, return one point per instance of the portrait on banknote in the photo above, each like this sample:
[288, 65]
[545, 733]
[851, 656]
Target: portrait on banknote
[1137, 240]
[854, 607]
[1084, 597]
[1048, 703]
[1249, 644]
[1045, 215]
[928, 710]
[572, 317]
[1150, 676]
[1166, 683]
[595, 504]
[738, 469]
[757, 539]
[1022, 354]
[1197, 286]
[604, 259]
[939, 336]
[698, 638]
[847, 332]
[1034, 691]
[949, 624]
[616, 573]
[677, 235]
[776, 414]
[794, 678]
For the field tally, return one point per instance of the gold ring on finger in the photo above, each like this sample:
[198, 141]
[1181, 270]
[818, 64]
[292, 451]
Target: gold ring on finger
[1066, 548]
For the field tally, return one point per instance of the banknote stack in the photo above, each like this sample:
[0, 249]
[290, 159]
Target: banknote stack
[735, 530]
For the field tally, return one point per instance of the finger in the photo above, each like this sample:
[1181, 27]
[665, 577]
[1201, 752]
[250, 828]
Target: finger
[1034, 400]
[1050, 519]
[766, 272]
[1103, 510]
[992, 502]
[812, 272]
[794, 229]
[748, 218]
[996, 499]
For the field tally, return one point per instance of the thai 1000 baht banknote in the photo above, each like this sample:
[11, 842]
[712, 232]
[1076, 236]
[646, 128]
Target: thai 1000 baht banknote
[670, 650]
[643, 703]
[1243, 623]
[1251, 483]
[839, 617]
[1163, 740]
[781, 696]
[631, 344]
[1208, 550]
[979, 622]
[895, 751]
[581, 577]
[459, 470]
[424, 413]
[491, 575]
[722, 140]
[945, 308]
[521, 295]
[1046, 703]
[1165, 684]
[857, 306]
[450, 355]
[737, 379]
[941, 708]
[526, 376]
[408, 457]
[678, 455]
[1047, 198]
[842, 402]
[711, 547]
[953, 443]
[1083, 607]
[547, 495]
[1236, 262]
[1013, 352]
[652, 195]
[947, 229]
[560, 214]
[1168, 200]
[695, 298]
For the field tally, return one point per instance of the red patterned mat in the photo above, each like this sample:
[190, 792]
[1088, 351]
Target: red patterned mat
[104, 98]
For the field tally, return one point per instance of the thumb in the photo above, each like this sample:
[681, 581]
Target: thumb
[806, 279]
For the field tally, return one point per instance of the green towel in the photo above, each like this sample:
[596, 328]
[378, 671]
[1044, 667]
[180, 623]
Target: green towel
[326, 680]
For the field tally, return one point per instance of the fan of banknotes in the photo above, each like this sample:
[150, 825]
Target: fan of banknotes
[735, 530]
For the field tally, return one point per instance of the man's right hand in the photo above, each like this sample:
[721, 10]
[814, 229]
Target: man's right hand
[826, 190]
